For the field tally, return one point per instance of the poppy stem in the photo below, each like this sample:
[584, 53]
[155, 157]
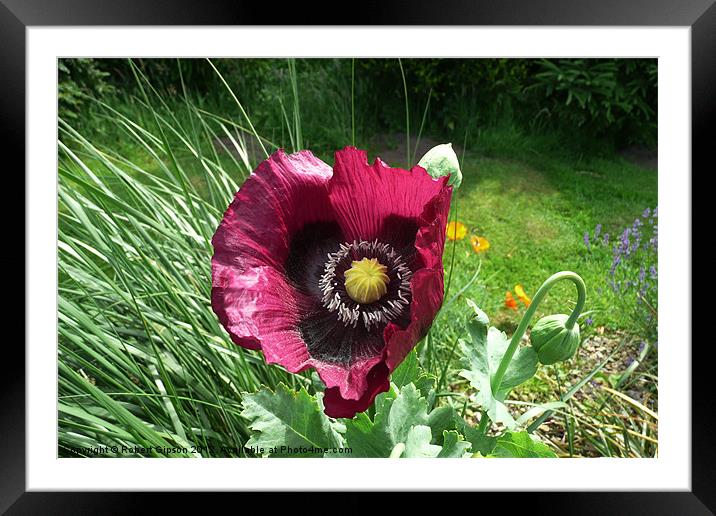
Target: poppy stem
[407, 117]
[452, 255]
[397, 451]
[482, 428]
[353, 100]
[527, 317]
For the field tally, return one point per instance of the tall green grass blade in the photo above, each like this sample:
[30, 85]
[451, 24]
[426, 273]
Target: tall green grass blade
[407, 115]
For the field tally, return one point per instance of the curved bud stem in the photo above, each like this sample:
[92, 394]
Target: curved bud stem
[581, 299]
[527, 317]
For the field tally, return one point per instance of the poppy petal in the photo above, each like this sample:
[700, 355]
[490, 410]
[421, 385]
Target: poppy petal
[281, 196]
[427, 297]
[351, 384]
[522, 296]
[427, 284]
[479, 244]
[510, 301]
[377, 382]
[259, 309]
[377, 201]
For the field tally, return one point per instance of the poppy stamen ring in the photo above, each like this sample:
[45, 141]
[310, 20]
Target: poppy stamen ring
[365, 281]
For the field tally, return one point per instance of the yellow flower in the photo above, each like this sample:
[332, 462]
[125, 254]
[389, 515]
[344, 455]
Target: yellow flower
[479, 244]
[510, 301]
[456, 230]
[520, 291]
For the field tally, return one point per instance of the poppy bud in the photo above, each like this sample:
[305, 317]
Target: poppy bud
[553, 341]
[442, 161]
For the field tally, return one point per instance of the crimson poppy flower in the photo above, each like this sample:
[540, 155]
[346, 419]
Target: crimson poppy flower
[334, 269]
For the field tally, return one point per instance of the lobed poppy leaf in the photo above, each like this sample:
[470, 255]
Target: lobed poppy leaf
[397, 416]
[454, 445]
[481, 356]
[425, 383]
[408, 371]
[286, 422]
[481, 442]
[417, 444]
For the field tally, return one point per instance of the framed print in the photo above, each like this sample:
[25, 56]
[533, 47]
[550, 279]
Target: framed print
[260, 253]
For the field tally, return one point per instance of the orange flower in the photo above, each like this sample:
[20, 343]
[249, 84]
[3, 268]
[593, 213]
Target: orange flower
[456, 230]
[479, 244]
[520, 291]
[510, 301]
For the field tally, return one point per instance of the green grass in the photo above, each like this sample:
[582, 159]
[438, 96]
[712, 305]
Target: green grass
[535, 215]
[143, 360]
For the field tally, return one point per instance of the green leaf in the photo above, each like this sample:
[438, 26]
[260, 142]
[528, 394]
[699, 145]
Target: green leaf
[384, 399]
[426, 383]
[288, 419]
[408, 371]
[407, 410]
[481, 443]
[482, 356]
[441, 419]
[397, 416]
[417, 444]
[454, 445]
[520, 445]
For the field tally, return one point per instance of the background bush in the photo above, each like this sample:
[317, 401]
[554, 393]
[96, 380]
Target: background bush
[612, 101]
[79, 78]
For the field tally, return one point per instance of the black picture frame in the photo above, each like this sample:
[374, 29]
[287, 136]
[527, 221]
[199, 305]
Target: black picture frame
[700, 15]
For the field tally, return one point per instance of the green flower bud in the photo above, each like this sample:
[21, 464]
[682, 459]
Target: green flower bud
[442, 161]
[553, 341]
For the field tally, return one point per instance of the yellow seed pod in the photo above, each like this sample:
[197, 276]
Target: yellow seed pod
[367, 280]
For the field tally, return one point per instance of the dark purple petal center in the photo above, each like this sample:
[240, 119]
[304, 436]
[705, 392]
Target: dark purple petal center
[307, 255]
[337, 329]
[337, 300]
